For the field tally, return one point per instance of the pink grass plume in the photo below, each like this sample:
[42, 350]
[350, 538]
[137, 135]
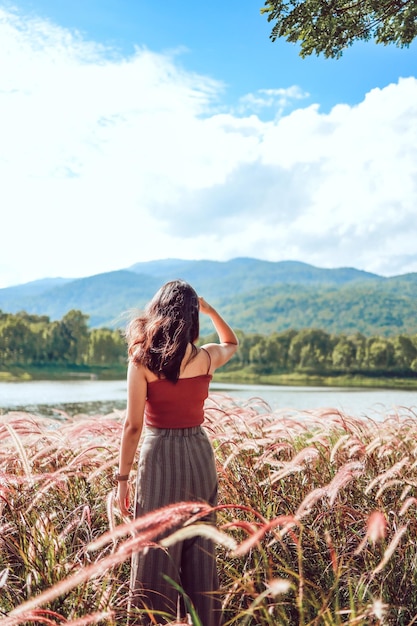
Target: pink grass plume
[376, 530]
[376, 527]
[147, 529]
[284, 521]
[390, 549]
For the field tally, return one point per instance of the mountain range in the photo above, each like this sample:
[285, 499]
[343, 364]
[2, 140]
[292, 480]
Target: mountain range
[254, 295]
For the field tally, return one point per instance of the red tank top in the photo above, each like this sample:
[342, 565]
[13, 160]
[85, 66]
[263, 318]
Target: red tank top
[177, 405]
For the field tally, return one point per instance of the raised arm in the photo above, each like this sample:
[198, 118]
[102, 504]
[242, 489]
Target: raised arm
[223, 351]
[132, 430]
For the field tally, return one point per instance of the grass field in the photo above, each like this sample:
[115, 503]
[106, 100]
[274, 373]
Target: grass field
[316, 524]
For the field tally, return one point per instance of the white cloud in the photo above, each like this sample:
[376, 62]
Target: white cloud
[278, 99]
[106, 161]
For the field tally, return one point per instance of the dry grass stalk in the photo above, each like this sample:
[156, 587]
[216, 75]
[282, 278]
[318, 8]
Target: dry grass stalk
[317, 504]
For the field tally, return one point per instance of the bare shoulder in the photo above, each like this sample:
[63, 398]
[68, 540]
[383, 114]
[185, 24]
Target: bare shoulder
[136, 372]
[220, 353]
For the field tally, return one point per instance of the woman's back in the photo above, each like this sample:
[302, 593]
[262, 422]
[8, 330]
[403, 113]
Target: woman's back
[180, 404]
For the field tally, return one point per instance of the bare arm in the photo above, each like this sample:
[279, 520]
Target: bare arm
[221, 352]
[132, 430]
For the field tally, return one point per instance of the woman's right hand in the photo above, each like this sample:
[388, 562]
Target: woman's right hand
[123, 497]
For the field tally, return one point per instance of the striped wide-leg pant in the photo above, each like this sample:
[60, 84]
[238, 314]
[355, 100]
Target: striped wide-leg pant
[176, 465]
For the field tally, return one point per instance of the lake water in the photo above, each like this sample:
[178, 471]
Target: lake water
[93, 396]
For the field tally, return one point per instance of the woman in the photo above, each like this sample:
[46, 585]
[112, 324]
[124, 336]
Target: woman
[168, 381]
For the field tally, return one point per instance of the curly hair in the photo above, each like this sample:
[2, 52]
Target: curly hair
[159, 338]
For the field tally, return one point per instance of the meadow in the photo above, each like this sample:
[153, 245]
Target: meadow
[316, 523]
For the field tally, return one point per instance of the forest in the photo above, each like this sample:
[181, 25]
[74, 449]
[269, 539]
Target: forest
[29, 341]
[35, 340]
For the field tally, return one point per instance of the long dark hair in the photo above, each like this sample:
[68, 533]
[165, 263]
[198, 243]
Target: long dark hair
[159, 338]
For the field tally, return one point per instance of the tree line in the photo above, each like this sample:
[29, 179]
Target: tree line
[27, 340]
[315, 351]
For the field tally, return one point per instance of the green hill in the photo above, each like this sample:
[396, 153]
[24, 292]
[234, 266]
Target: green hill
[372, 308]
[256, 296]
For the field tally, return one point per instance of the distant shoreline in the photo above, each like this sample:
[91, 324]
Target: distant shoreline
[294, 379]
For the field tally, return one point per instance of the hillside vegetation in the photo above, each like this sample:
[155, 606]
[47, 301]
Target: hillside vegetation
[256, 296]
[386, 308]
[35, 346]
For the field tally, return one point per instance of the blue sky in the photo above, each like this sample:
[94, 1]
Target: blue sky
[229, 41]
[133, 131]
